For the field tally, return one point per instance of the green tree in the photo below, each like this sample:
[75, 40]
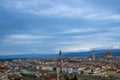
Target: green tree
[66, 77]
[111, 78]
[54, 68]
[74, 78]
[82, 72]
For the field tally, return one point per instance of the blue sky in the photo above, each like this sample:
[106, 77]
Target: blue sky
[46, 26]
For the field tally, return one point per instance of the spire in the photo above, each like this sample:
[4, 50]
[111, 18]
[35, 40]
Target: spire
[108, 54]
[60, 53]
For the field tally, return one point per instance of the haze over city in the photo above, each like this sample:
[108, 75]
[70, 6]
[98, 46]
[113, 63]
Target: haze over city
[47, 26]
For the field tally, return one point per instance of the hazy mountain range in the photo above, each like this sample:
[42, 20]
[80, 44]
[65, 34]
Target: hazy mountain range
[115, 52]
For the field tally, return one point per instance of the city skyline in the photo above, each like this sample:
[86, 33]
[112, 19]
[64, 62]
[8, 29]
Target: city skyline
[45, 26]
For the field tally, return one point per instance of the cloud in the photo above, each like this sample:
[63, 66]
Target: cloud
[81, 29]
[86, 45]
[48, 26]
[103, 16]
[79, 46]
[61, 9]
[26, 39]
[27, 36]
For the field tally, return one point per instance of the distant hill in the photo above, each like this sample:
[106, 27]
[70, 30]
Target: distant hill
[115, 52]
[27, 56]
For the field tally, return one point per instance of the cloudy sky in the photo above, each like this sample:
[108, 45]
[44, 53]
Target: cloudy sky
[46, 26]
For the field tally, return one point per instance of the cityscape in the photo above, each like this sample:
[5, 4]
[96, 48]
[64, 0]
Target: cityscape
[59, 39]
[62, 68]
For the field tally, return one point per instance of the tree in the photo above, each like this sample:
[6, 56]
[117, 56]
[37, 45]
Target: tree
[74, 78]
[54, 68]
[111, 78]
[66, 77]
[82, 72]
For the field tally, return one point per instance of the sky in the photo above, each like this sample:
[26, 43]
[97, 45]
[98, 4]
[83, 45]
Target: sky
[47, 26]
